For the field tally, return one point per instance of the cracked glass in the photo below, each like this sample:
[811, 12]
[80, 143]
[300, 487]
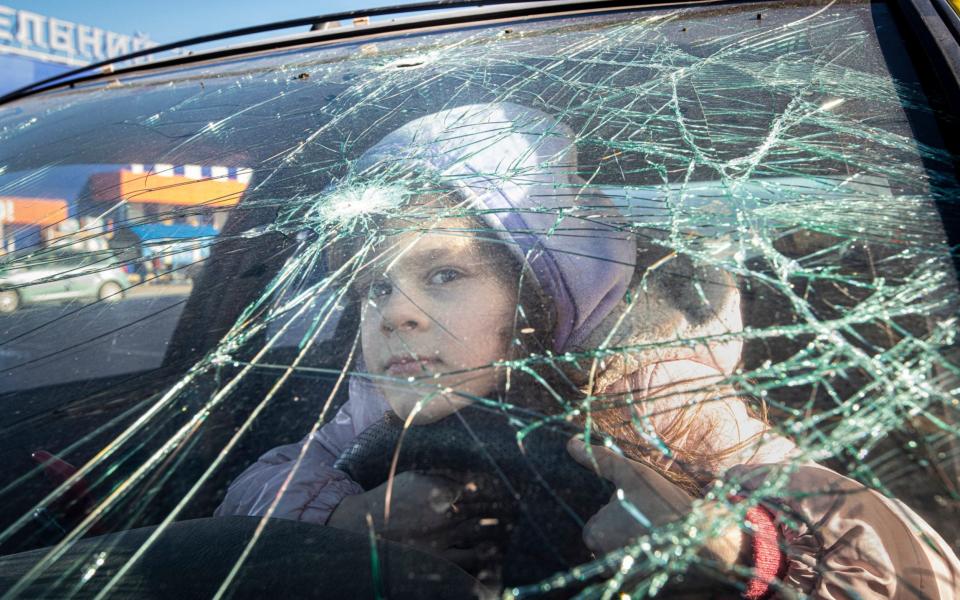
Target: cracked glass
[711, 242]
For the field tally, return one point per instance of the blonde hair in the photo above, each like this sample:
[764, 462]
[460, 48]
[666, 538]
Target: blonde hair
[660, 391]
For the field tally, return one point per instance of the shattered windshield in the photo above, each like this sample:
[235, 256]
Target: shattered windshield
[353, 302]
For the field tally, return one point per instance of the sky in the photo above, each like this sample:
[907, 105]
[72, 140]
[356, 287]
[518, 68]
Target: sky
[172, 20]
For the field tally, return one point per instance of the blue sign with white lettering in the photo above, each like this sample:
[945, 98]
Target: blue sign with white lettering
[35, 46]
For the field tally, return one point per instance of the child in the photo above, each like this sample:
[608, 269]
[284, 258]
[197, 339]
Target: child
[515, 168]
[816, 533]
[678, 423]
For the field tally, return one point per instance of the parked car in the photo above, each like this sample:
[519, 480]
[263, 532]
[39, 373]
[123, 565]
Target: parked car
[58, 276]
[784, 173]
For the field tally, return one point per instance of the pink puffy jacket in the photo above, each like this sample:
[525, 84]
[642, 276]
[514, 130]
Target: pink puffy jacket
[838, 539]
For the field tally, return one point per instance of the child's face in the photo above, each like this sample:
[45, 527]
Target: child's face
[436, 311]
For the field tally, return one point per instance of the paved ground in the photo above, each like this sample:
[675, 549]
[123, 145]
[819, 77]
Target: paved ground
[48, 344]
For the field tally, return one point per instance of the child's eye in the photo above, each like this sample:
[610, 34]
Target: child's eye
[441, 276]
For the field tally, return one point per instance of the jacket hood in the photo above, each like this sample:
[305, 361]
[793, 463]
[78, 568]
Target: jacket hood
[516, 167]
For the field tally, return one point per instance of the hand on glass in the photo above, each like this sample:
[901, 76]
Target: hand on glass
[657, 501]
[430, 512]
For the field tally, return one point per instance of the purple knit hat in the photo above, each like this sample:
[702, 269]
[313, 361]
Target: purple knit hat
[517, 167]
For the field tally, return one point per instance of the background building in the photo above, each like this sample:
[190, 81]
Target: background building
[35, 46]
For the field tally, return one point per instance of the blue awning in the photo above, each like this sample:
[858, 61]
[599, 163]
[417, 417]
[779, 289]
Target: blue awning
[172, 232]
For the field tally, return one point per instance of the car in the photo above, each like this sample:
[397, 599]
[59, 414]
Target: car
[59, 277]
[783, 176]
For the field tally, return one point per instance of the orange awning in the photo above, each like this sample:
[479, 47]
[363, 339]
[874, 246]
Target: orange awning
[164, 189]
[32, 211]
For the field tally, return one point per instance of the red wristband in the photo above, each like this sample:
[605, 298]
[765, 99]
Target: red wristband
[769, 561]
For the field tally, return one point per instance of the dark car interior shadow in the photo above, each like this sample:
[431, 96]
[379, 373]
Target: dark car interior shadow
[192, 559]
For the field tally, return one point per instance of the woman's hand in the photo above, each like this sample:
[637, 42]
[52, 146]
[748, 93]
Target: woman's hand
[657, 501]
[430, 512]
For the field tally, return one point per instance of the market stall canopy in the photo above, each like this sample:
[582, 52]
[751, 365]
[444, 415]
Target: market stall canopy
[172, 232]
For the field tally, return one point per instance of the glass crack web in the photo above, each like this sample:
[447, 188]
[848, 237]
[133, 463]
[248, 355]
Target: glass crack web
[786, 151]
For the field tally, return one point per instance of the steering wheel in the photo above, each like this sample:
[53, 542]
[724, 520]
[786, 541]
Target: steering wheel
[547, 494]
